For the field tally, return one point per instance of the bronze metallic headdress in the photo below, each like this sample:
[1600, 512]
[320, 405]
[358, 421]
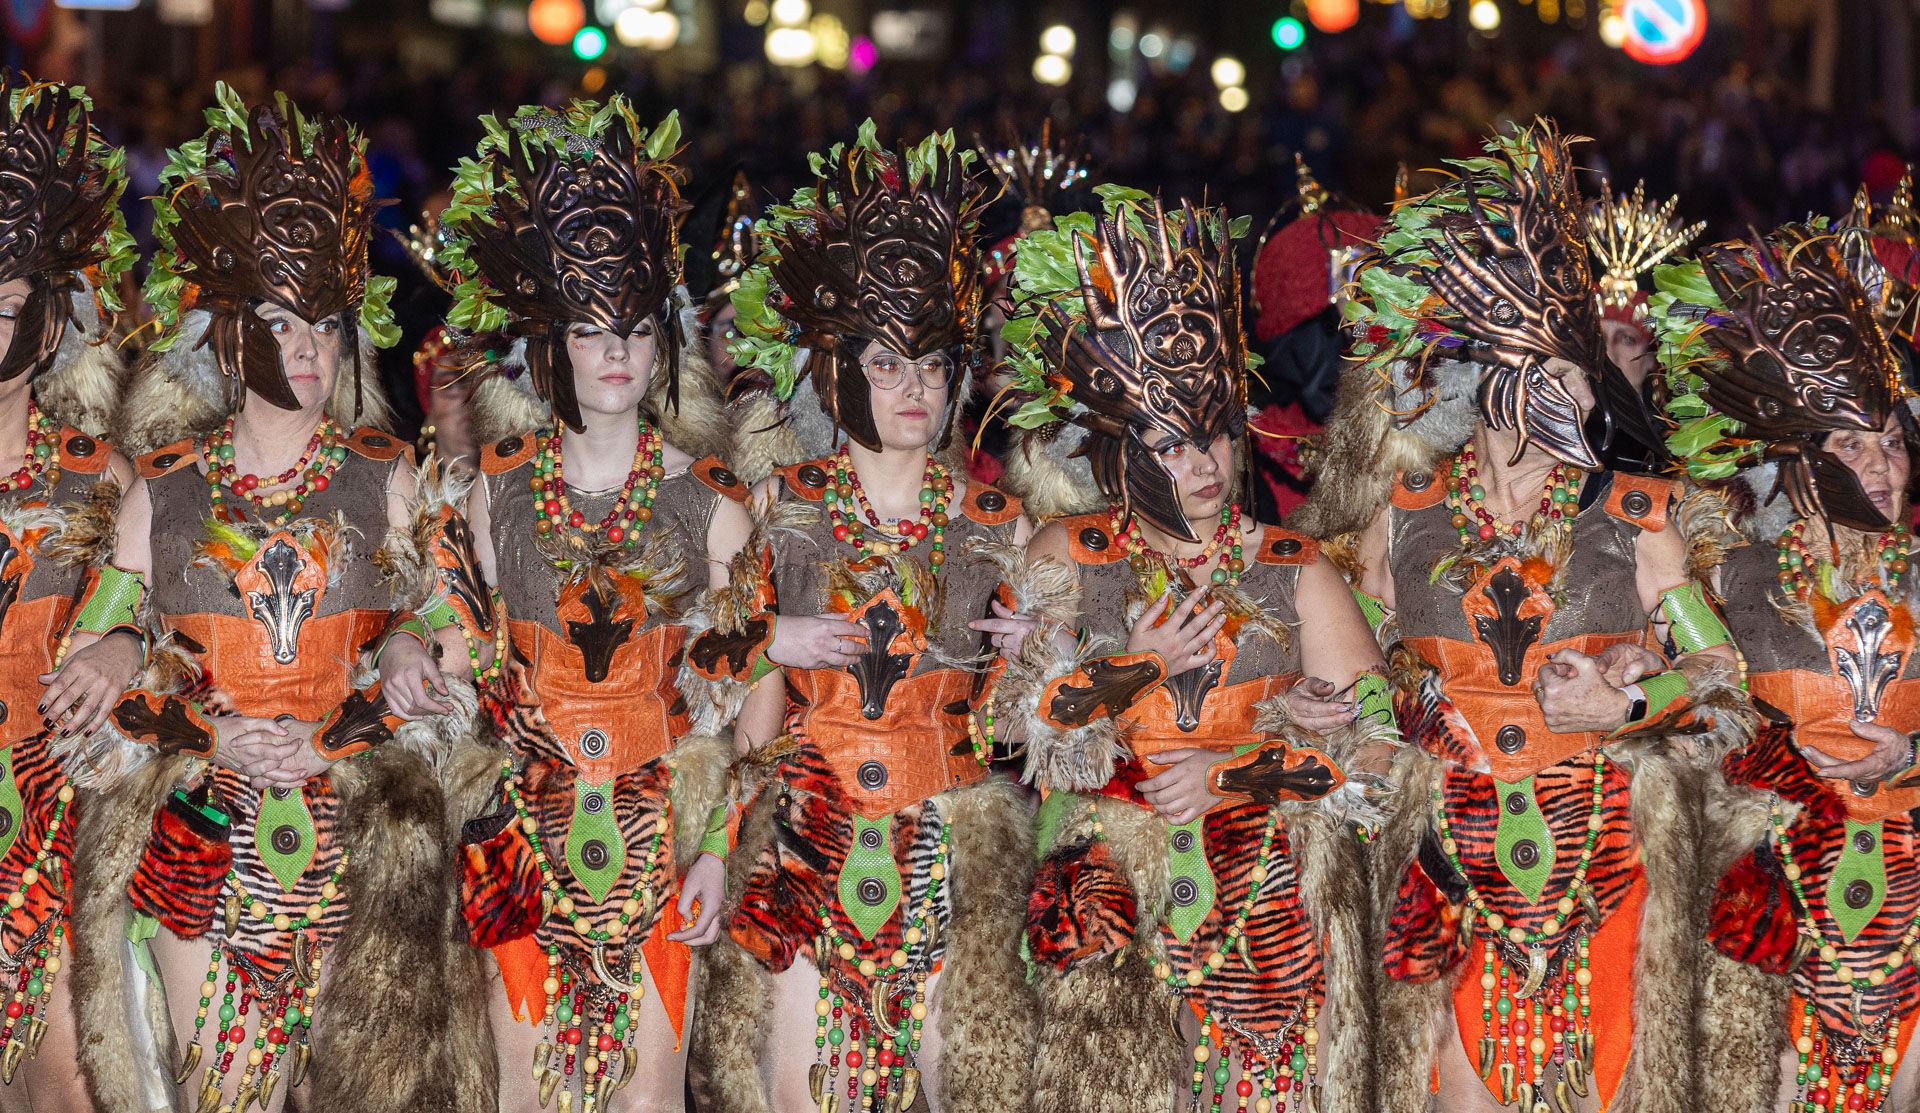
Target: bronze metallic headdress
[1037, 173]
[568, 216]
[882, 249]
[1493, 267]
[739, 241]
[1144, 348]
[1629, 237]
[1768, 348]
[267, 206]
[60, 185]
[1881, 246]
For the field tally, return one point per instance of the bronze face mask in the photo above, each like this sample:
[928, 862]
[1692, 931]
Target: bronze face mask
[892, 264]
[594, 239]
[1804, 358]
[1161, 354]
[55, 204]
[285, 227]
[1515, 268]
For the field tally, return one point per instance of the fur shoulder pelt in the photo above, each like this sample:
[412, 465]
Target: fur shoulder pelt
[1378, 429]
[181, 393]
[83, 387]
[1048, 477]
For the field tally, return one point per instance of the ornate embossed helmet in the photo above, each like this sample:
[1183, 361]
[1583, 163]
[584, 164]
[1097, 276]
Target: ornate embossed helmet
[1768, 347]
[268, 206]
[1128, 326]
[880, 249]
[1881, 246]
[564, 216]
[1493, 267]
[739, 241]
[60, 223]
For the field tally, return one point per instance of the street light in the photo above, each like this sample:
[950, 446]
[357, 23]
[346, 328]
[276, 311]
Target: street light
[1289, 33]
[1051, 69]
[589, 43]
[1485, 16]
[790, 46]
[1228, 72]
[791, 13]
[1057, 39]
[1233, 98]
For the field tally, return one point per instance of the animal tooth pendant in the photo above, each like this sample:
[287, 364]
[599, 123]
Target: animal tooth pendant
[36, 1031]
[267, 1086]
[10, 1059]
[909, 1087]
[540, 1056]
[1525, 1098]
[233, 913]
[1486, 1057]
[187, 1064]
[1536, 974]
[547, 1086]
[817, 1081]
[1562, 1098]
[302, 1057]
[1506, 1083]
[1577, 1075]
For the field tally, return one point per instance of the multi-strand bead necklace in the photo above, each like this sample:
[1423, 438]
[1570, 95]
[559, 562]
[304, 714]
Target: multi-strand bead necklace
[1800, 570]
[1467, 499]
[1523, 1031]
[855, 522]
[42, 460]
[1223, 549]
[632, 508]
[311, 474]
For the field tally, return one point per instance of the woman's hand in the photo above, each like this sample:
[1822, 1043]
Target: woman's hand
[1185, 640]
[705, 885]
[1574, 694]
[1624, 663]
[1314, 704]
[410, 678]
[816, 641]
[250, 745]
[1009, 630]
[1185, 789]
[82, 691]
[1892, 755]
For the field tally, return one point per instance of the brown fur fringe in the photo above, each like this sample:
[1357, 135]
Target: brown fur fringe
[84, 385]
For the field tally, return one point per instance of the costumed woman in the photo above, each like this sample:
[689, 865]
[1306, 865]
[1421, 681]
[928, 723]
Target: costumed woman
[1628, 238]
[1539, 878]
[1203, 699]
[263, 885]
[67, 643]
[599, 866]
[1780, 377]
[883, 866]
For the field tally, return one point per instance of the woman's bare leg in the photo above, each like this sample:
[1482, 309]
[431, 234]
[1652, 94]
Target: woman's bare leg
[49, 1082]
[182, 964]
[659, 1081]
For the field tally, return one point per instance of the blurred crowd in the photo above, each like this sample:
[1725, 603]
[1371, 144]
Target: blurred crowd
[1741, 150]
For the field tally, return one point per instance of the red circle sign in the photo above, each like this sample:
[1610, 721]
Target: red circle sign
[1661, 32]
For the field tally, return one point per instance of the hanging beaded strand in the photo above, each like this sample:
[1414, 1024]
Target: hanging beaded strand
[632, 509]
[1830, 1086]
[309, 475]
[35, 971]
[1551, 1024]
[42, 458]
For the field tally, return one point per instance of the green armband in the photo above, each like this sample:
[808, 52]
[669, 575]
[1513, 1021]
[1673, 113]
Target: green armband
[1691, 620]
[715, 841]
[1370, 608]
[441, 616]
[1375, 697]
[1662, 689]
[762, 665]
[112, 602]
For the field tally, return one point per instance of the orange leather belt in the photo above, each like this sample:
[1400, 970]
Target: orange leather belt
[624, 721]
[1505, 718]
[239, 655]
[1821, 707]
[917, 748]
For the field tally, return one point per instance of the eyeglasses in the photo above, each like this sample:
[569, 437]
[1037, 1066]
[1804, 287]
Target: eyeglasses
[887, 372]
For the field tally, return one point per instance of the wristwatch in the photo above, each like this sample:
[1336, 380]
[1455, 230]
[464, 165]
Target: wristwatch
[1636, 704]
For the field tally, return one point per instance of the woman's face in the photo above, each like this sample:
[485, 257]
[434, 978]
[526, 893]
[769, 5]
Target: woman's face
[1630, 348]
[13, 298]
[309, 353]
[1880, 461]
[1202, 479]
[909, 397]
[611, 372]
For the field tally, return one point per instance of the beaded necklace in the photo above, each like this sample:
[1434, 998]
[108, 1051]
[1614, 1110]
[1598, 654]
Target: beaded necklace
[631, 510]
[1466, 498]
[309, 475]
[38, 968]
[1800, 571]
[41, 461]
[1224, 548]
[1827, 1085]
[847, 507]
[1521, 1046]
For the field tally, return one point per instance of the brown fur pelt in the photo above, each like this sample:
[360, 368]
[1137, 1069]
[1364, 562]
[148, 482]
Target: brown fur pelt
[1358, 802]
[987, 1011]
[181, 393]
[1041, 587]
[1050, 480]
[1107, 1040]
[1075, 759]
[1667, 810]
[768, 435]
[1743, 1024]
[702, 767]
[86, 537]
[108, 841]
[714, 704]
[83, 386]
[405, 555]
